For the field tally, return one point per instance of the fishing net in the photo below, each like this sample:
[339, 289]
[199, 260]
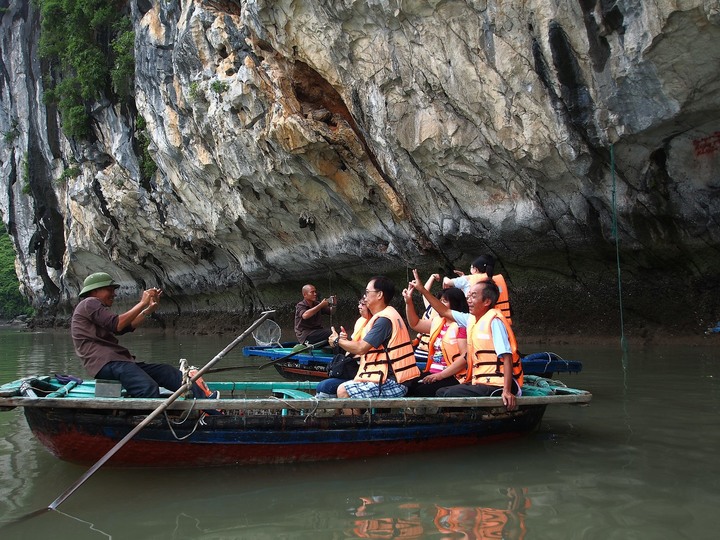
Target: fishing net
[267, 334]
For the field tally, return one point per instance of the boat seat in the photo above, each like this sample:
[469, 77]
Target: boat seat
[292, 393]
[108, 388]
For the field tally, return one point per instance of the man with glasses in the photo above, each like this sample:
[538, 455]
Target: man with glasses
[308, 316]
[494, 364]
[387, 356]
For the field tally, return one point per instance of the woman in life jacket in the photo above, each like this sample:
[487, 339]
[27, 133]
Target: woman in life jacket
[328, 387]
[447, 344]
[420, 343]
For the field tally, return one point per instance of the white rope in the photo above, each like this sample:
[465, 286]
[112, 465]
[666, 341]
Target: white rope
[200, 420]
[91, 525]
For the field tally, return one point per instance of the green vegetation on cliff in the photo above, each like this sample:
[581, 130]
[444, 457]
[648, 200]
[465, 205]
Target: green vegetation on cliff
[88, 45]
[12, 302]
[148, 167]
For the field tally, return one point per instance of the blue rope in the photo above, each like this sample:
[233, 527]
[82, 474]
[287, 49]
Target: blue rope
[623, 344]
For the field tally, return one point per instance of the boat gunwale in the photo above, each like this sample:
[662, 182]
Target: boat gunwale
[279, 403]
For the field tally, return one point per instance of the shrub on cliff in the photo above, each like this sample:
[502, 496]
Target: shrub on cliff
[12, 303]
[88, 46]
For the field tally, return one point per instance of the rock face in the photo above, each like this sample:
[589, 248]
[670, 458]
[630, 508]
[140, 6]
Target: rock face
[328, 141]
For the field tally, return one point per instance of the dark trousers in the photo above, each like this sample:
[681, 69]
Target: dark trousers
[420, 389]
[144, 380]
[316, 336]
[329, 386]
[474, 390]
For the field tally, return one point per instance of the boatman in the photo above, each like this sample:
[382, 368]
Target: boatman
[494, 364]
[387, 356]
[94, 327]
[308, 316]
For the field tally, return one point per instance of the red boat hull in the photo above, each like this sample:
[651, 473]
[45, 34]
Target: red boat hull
[84, 437]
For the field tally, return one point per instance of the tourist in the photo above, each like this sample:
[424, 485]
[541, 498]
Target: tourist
[328, 387]
[481, 269]
[308, 316]
[446, 362]
[493, 361]
[421, 340]
[93, 329]
[387, 355]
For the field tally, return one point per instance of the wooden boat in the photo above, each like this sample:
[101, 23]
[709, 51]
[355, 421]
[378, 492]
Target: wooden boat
[266, 422]
[312, 364]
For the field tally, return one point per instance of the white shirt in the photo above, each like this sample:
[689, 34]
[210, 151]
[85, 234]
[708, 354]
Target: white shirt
[501, 341]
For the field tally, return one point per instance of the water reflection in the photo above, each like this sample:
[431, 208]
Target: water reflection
[279, 502]
[17, 454]
[384, 517]
[639, 462]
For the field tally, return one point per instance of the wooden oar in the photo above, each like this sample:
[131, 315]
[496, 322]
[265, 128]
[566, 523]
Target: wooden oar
[303, 349]
[308, 347]
[180, 391]
[229, 368]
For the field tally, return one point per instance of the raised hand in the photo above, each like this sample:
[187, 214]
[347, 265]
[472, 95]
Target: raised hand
[417, 282]
[407, 293]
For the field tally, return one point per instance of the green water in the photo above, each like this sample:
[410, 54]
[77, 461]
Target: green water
[639, 462]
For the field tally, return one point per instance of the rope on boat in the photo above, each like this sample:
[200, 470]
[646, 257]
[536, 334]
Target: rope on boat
[551, 356]
[32, 386]
[185, 370]
[63, 391]
[308, 414]
[183, 419]
[313, 411]
[316, 405]
[200, 421]
[27, 390]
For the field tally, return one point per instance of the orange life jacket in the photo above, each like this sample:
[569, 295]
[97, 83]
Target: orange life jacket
[450, 349]
[484, 366]
[421, 340]
[503, 303]
[361, 328]
[399, 354]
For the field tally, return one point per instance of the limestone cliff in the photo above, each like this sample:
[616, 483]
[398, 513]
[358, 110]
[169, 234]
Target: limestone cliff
[332, 140]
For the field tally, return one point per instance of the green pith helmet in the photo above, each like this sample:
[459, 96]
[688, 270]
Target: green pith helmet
[98, 280]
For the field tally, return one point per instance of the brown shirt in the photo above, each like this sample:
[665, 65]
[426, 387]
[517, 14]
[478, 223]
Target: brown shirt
[93, 333]
[303, 327]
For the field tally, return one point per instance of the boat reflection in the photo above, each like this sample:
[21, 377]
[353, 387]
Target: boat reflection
[405, 522]
[397, 517]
